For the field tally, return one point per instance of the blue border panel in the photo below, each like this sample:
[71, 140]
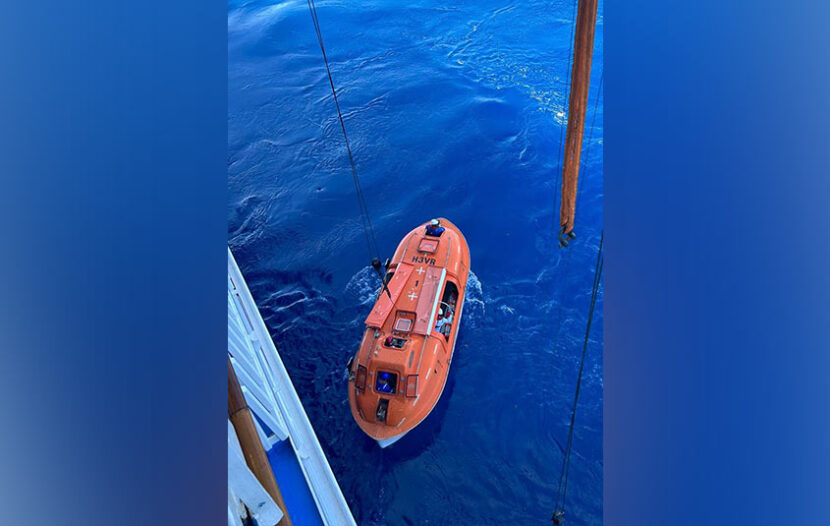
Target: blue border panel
[717, 328]
[113, 122]
[293, 486]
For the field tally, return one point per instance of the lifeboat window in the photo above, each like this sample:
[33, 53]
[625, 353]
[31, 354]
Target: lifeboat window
[386, 382]
[360, 379]
[403, 321]
[445, 318]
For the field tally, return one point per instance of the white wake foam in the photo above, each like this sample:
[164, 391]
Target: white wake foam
[363, 286]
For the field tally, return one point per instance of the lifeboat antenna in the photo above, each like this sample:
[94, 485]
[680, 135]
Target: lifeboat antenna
[368, 230]
[580, 80]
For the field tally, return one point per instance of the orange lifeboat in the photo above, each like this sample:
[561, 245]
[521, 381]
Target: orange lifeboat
[401, 367]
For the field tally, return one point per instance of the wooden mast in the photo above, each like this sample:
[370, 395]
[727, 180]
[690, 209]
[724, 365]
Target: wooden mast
[243, 423]
[586, 18]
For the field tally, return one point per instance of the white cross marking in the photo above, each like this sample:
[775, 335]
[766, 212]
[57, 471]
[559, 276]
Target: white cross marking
[420, 270]
[412, 296]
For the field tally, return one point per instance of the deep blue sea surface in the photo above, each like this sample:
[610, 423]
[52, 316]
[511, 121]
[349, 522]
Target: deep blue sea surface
[453, 110]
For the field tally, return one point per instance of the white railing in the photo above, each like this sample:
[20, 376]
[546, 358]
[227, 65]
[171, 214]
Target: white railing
[249, 362]
[244, 487]
[271, 396]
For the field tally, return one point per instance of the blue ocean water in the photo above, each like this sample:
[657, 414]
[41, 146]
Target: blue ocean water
[456, 111]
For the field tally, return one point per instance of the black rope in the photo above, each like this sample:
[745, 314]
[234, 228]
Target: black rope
[561, 492]
[368, 230]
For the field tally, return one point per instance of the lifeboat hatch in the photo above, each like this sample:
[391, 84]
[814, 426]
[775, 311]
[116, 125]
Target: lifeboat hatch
[428, 299]
[385, 304]
[428, 245]
[383, 409]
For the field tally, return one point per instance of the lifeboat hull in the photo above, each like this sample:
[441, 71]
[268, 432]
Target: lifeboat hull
[402, 365]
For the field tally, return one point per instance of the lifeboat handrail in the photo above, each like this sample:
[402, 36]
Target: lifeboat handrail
[447, 258]
[405, 247]
[437, 300]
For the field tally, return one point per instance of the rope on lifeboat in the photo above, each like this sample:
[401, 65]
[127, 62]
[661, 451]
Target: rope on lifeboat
[368, 230]
[561, 492]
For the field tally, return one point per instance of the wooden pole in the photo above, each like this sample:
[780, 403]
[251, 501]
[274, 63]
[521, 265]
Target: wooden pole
[243, 422]
[586, 18]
